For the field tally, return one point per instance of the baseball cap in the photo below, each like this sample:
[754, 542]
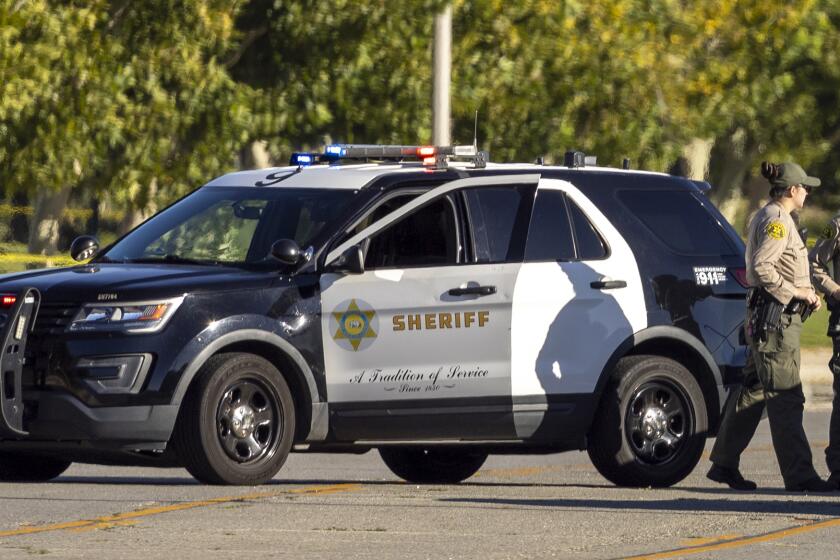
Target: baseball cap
[792, 174]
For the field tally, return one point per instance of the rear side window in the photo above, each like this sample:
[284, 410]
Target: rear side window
[550, 235]
[679, 220]
[590, 246]
[499, 216]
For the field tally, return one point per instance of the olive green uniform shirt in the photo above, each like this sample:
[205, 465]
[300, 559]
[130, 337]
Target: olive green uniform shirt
[825, 260]
[777, 259]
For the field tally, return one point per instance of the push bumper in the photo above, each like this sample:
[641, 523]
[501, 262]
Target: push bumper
[17, 323]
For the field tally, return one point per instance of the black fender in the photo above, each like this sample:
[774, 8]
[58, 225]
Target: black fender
[679, 336]
[251, 328]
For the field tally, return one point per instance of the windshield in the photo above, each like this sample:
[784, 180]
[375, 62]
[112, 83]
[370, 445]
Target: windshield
[231, 225]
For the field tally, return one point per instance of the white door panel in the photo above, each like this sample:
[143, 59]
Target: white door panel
[564, 330]
[425, 343]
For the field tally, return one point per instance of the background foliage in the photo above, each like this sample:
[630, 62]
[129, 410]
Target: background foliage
[119, 107]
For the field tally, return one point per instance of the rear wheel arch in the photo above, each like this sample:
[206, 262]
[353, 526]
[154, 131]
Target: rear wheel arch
[680, 346]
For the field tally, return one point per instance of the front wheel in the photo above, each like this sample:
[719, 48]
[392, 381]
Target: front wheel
[237, 422]
[20, 467]
[432, 465]
[651, 425]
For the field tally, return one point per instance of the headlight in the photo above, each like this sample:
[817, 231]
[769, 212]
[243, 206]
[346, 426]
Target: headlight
[134, 317]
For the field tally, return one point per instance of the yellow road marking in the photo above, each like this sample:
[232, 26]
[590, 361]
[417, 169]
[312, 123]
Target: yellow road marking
[740, 542]
[697, 541]
[127, 517]
[96, 526]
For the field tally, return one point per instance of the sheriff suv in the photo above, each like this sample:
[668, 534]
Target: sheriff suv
[415, 300]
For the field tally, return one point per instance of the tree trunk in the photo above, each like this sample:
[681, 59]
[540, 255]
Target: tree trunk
[134, 217]
[20, 222]
[697, 155]
[255, 156]
[46, 218]
[733, 158]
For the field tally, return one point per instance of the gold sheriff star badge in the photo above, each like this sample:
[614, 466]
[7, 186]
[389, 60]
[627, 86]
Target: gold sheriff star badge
[356, 325]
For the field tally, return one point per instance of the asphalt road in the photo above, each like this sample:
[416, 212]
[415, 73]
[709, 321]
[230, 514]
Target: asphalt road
[351, 506]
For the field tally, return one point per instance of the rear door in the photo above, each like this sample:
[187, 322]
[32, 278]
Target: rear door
[577, 298]
[418, 346]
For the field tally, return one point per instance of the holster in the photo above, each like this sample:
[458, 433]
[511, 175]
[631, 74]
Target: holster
[765, 313]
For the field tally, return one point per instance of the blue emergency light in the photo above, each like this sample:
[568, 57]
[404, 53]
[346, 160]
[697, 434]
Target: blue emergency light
[335, 151]
[303, 159]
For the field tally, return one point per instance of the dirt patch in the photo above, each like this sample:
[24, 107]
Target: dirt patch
[817, 379]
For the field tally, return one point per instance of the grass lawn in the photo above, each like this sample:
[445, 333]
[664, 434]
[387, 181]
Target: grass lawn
[813, 331]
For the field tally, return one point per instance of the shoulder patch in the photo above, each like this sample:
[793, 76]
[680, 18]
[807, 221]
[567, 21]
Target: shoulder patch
[776, 230]
[830, 231]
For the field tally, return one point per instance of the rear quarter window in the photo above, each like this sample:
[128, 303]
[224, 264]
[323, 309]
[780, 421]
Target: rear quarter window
[680, 220]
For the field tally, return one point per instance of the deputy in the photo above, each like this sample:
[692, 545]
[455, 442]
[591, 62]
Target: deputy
[825, 272]
[777, 271]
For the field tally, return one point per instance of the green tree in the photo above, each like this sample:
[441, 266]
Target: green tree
[124, 99]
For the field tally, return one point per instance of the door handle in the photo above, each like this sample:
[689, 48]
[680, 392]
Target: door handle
[608, 284]
[473, 291]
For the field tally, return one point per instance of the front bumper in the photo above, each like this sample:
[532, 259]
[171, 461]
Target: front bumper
[62, 417]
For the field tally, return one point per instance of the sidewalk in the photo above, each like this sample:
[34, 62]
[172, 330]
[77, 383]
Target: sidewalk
[816, 378]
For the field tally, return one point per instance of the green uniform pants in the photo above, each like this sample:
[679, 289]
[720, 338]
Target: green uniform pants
[771, 379]
[832, 452]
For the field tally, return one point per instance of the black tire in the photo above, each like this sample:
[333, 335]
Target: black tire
[651, 425]
[237, 422]
[432, 465]
[19, 467]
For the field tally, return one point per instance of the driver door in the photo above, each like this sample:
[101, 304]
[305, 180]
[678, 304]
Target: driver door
[418, 345]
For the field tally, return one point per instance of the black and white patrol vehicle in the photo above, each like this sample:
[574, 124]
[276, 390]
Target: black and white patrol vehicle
[415, 300]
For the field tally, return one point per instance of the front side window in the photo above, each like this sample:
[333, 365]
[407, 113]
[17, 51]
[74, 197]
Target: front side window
[426, 237]
[231, 225]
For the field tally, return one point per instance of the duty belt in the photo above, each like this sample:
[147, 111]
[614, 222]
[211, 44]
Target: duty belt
[765, 312]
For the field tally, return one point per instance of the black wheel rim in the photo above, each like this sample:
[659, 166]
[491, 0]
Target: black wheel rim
[248, 421]
[658, 422]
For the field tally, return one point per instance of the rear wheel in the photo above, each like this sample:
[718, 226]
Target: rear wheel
[18, 467]
[432, 465]
[650, 428]
[237, 422]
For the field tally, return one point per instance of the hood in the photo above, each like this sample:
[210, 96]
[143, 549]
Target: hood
[125, 282]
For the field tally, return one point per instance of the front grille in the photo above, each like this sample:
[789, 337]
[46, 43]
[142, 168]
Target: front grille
[53, 318]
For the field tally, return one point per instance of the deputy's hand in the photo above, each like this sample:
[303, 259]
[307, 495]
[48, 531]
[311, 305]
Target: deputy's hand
[806, 294]
[809, 296]
[816, 306]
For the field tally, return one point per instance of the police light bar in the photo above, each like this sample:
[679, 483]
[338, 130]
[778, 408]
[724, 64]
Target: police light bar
[429, 155]
[7, 300]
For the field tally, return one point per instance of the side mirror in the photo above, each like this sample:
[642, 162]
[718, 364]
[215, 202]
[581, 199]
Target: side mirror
[286, 251]
[84, 247]
[351, 261]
